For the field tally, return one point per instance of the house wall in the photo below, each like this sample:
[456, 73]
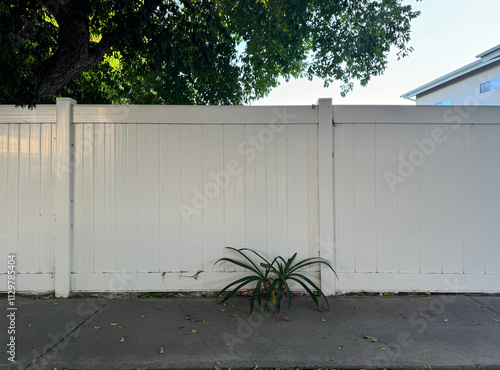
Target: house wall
[465, 91]
[145, 198]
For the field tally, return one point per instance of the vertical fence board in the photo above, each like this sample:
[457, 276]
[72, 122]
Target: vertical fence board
[408, 203]
[24, 247]
[167, 256]
[282, 193]
[265, 136]
[99, 207]
[239, 189]
[109, 264]
[313, 209]
[122, 253]
[229, 196]
[427, 157]
[4, 200]
[272, 192]
[145, 254]
[382, 195]
[153, 265]
[347, 253]
[88, 255]
[221, 180]
[249, 152]
[492, 198]
[174, 254]
[292, 189]
[34, 198]
[78, 224]
[303, 248]
[13, 190]
[451, 198]
[211, 191]
[196, 261]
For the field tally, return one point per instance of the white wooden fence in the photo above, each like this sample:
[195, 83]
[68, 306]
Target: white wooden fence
[417, 198]
[145, 198]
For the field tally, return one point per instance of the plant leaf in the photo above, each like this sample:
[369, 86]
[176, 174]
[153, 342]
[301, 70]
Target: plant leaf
[369, 338]
[315, 287]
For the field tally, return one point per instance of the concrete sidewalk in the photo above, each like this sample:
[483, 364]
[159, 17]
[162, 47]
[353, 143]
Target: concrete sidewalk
[435, 331]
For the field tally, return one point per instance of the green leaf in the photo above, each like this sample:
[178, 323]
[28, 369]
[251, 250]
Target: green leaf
[149, 295]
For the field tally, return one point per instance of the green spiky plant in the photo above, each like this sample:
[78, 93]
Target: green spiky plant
[272, 279]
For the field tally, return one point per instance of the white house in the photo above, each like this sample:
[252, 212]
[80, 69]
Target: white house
[477, 83]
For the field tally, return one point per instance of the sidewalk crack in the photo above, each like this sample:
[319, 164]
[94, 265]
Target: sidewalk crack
[67, 335]
[483, 305]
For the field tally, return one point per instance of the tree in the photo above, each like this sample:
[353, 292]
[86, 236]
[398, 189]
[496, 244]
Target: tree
[191, 52]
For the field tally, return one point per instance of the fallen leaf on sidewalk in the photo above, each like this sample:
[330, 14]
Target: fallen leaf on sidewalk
[382, 349]
[496, 320]
[222, 310]
[97, 327]
[369, 338]
[161, 351]
[143, 317]
[323, 320]
[30, 325]
[445, 320]
[113, 323]
[122, 340]
[428, 293]
[194, 331]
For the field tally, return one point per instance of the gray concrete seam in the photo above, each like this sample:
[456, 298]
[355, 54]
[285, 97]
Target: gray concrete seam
[483, 305]
[39, 358]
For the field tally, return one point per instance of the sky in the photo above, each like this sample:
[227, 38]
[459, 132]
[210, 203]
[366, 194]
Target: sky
[446, 36]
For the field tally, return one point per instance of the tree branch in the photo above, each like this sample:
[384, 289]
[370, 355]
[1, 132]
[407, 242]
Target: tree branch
[74, 54]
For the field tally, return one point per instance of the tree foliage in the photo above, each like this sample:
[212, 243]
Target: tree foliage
[191, 52]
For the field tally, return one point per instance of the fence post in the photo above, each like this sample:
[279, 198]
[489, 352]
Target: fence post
[325, 168]
[62, 175]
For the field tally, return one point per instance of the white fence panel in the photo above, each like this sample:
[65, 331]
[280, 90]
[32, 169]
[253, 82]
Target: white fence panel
[26, 204]
[176, 193]
[417, 204]
[151, 195]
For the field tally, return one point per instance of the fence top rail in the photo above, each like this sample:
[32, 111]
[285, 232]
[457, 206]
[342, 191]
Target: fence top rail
[40, 114]
[404, 114]
[181, 114]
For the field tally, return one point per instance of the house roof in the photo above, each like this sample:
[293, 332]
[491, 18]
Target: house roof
[489, 56]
